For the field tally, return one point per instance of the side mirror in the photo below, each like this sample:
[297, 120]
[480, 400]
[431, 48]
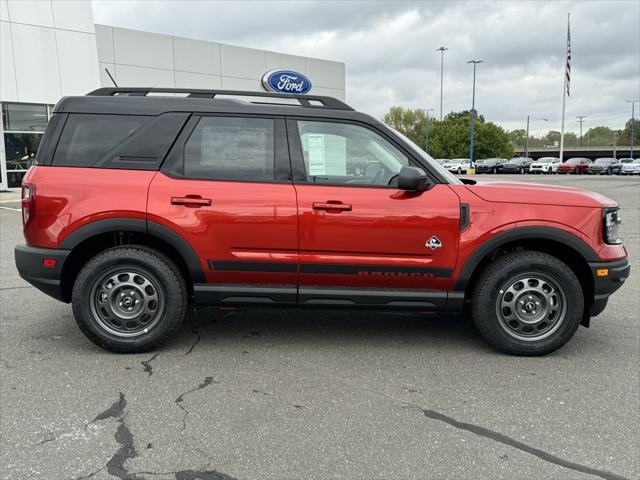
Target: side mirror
[412, 179]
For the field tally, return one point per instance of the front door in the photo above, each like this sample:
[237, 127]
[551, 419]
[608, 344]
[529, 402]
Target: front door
[225, 189]
[363, 241]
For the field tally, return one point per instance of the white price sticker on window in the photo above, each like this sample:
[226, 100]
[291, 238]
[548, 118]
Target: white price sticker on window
[317, 160]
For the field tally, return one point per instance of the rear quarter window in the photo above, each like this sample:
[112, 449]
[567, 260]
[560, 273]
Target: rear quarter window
[87, 138]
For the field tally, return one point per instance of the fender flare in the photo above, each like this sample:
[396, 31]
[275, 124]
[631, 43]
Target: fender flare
[522, 233]
[141, 226]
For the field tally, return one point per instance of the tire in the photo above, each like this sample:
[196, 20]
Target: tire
[521, 170]
[551, 325]
[142, 276]
[459, 171]
[494, 170]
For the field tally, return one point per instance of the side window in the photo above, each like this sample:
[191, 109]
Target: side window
[87, 138]
[342, 153]
[231, 148]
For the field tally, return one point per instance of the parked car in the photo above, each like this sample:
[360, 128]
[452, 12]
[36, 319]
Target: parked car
[544, 165]
[575, 165]
[631, 168]
[604, 165]
[517, 165]
[490, 165]
[457, 165]
[142, 206]
[442, 161]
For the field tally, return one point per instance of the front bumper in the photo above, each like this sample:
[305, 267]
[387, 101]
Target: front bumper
[31, 267]
[607, 278]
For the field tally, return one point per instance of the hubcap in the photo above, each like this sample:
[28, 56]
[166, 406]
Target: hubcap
[126, 303]
[531, 307]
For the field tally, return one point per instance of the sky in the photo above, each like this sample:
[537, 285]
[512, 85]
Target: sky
[389, 48]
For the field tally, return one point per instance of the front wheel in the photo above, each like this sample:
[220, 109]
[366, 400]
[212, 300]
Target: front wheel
[459, 170]
[527, 303]
[129, 299]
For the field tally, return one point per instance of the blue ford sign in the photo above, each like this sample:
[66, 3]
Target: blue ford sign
[286, 81]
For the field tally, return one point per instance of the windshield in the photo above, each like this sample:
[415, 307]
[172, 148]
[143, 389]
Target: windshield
[574, 160]
[443, 172]
[515, 161]
[603, 161]
[545, 160]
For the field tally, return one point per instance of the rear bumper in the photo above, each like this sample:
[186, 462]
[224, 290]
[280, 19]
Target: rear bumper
[606, 283]
[29, 262]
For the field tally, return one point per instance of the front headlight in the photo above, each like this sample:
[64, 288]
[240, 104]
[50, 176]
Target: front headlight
[611, 226]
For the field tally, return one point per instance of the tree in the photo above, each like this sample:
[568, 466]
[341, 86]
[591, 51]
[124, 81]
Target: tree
[625, 136]
[598, 136]
[517, 137]
[450, 137]
[411, 123]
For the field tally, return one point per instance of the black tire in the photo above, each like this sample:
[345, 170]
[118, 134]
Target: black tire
[521, 170]
[459, 171]
[492, 289]
[147, 278]
[494, 170]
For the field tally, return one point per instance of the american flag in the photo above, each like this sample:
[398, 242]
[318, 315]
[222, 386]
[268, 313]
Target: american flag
[567, 70]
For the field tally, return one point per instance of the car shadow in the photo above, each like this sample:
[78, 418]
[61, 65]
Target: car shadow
[293, 326]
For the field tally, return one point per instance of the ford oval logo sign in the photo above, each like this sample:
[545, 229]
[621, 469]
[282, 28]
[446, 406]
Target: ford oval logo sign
[286, 81]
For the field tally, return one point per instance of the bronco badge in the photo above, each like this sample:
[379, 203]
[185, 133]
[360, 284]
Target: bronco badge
[433, 243]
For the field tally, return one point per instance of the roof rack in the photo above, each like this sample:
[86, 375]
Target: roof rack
[306, 101]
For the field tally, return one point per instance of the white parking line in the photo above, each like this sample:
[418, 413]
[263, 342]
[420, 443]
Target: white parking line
[9, 208]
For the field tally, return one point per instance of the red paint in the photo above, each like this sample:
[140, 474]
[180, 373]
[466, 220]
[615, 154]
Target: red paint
[280, 222]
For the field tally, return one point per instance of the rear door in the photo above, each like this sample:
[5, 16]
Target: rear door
[225, 188]
[363, 241]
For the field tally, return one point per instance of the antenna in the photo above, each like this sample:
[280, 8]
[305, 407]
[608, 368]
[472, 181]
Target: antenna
[108, 73]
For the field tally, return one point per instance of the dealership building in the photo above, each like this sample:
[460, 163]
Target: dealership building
[52, 48]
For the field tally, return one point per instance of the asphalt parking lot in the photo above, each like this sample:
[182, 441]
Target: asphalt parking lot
[290, 394]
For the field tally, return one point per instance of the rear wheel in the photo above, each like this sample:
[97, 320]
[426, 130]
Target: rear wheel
[527, 303]
[129, 299]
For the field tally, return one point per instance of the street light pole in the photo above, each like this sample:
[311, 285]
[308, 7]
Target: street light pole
[473, 109]
[426, 142]
[581, 121]
[526, 140]
[441, 50]
[633, 120]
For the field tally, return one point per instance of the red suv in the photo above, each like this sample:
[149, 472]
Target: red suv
[142, 205]
[575, 165]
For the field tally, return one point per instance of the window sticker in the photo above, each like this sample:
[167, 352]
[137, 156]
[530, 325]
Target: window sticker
[316, 153]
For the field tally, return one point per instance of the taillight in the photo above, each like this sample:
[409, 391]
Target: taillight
[28, 202]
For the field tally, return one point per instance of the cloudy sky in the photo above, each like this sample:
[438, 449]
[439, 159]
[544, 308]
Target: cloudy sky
[389, 49]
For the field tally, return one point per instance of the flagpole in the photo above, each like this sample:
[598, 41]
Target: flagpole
[564, 94]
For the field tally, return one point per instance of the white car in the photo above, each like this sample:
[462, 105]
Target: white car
[544, 165]
[457, 165]
[631, 168]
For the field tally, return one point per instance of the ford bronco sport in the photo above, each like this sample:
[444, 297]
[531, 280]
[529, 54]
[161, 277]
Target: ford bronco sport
[141, 205]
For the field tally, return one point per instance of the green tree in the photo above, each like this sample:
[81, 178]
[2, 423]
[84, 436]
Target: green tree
[450, 137]
[517, 137]
[411, 123]
[625, 136]
[598, 136]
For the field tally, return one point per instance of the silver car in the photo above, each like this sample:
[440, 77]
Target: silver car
[631, 168]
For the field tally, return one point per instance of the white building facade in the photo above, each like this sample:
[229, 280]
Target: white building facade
[52, 48]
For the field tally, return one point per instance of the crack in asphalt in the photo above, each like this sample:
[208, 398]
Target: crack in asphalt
[123, 437]
[147, 364]
[207, 381]
[511, 442]
[196, 332]
[116, 410]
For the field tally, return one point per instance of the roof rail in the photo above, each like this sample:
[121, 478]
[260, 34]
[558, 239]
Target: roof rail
[306, 101]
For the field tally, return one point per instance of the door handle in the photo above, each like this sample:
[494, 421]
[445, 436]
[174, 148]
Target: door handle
[332, 205]
[194, 201]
